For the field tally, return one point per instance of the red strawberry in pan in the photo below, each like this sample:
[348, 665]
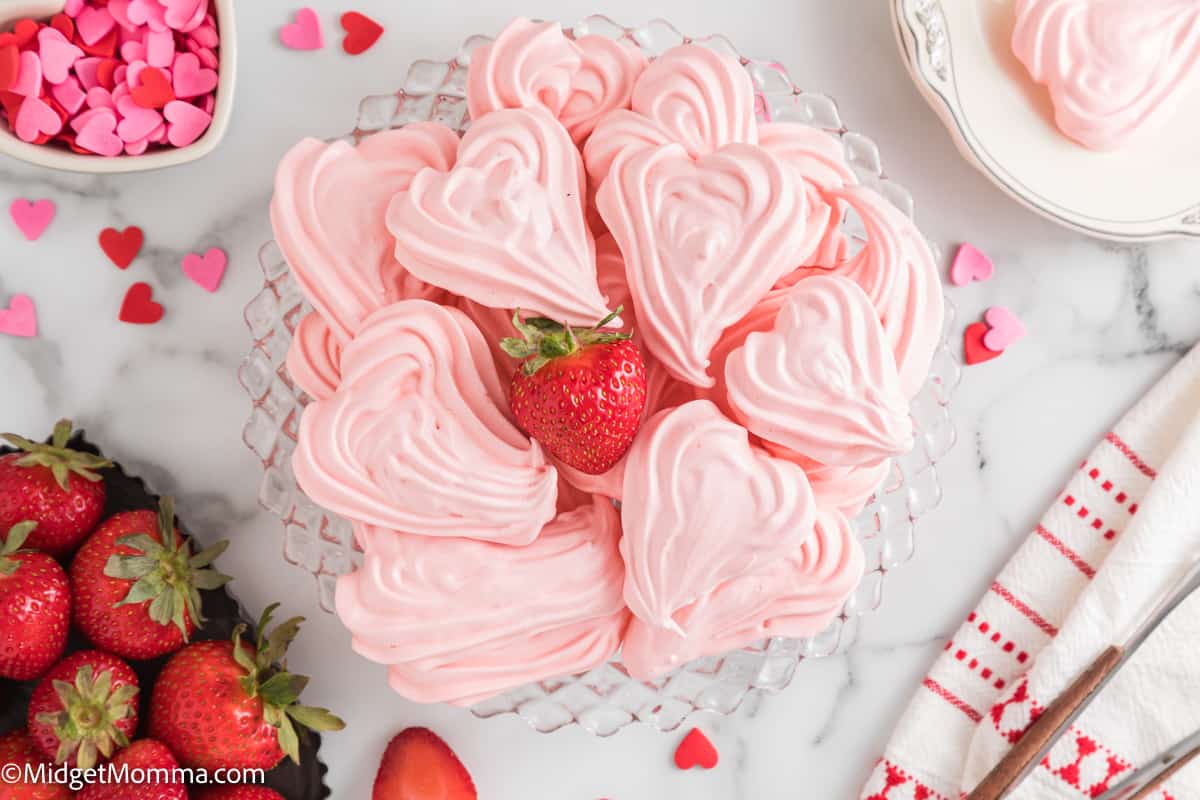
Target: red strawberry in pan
[54, 486]
[135, 584]
[84, 709]
[17, 748]
[145, 755]
[35, 607]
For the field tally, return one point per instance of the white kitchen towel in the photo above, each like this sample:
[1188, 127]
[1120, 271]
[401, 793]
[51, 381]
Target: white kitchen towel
[1121, 533]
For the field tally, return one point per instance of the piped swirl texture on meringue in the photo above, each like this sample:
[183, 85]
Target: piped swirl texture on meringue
[416, 437]
[703, 240]
[795, 596]
[1114, 68]
[533, 64]
[701, 506]
[458, 620]
[505, 226]
[823, 381]
[314, 356]
[327, 214]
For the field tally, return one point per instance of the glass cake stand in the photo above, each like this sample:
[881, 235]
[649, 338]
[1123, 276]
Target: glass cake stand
[605, 699]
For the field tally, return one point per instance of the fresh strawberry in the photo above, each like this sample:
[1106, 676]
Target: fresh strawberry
[17, 748]
[580, 391]
[238, 792]
[418, 765]
[145, 755]
[84, 709]
[135, 584]
[35, 608]
[232, 705]
[54, 486]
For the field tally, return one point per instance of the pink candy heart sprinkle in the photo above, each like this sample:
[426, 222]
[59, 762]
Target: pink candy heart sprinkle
[206, 271]
[32, 218]
[20, 318]
[1004, 329]
[305, 33]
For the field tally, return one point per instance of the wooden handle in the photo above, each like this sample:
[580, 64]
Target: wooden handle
[1166, 775]
[1042, 733]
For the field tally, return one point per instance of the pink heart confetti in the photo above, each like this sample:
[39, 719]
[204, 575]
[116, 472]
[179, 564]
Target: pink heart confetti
[160, 49]
[190, 79]
[99, 135]
[1004, 329]
[73, 8]
[187, 122]
[32, 218]
[206, 271]
[57, 54]
[20, 318]
[305, 33]
[136, 123]
[69, 95]
[85, 71]
[184, 15]
[29, 77]
[36, 118]
[93, 24]
[970, 265]
[105, 112]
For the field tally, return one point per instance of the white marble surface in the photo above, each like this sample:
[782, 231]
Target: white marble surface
[1104, 320]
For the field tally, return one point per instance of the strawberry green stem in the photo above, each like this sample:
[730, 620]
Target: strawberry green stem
[61, 460]
[543, 340]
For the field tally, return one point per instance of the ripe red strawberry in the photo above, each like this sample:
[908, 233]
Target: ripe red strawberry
[229, 704]
[54, 486]
[135, 584]
[145, 755]
[580, 391]
[238, 792]
[17, 748]
[84, 709]
[35, 608]
[418, 765]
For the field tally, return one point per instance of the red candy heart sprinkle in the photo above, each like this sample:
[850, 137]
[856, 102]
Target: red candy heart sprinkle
[122, 247]
[10, 62]
[974, 350]
[696, 751]
[361, 32]
[139, 307]
[153, 89]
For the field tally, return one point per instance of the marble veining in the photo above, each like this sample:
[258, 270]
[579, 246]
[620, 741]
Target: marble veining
[1104, 322]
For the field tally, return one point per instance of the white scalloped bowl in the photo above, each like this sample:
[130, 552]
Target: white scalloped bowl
[605, 699]
[960, 56]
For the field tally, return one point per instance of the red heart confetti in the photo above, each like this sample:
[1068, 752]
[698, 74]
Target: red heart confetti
[974, 350]
[361, 32]
[26, 31]
[153, 89]
[139, 307]
[696, 751]
[10, 63]
[122, 247]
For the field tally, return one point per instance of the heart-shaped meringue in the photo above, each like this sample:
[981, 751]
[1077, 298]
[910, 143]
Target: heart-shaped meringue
[314, 356]
[505, 226]
[697, 97]
[415, 437]
[895, 267]
[328, 218]
[703, 240]
[794, 596]
[823, 382]
[533, 64]
[700, 506]
[1113, 69]
[460, 620]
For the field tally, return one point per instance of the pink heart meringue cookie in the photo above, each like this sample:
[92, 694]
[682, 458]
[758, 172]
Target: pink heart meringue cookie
[823, 381]
[895, 267]
[416, 437]
[459, 620]
[703, 240]
[1114, 68]
[691, 95]
[700, 506]
[794, 596]
[328, 218]
[533, 64]
[504, 227]
[313, 357]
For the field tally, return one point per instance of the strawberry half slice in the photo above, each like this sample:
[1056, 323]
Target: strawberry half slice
[418, 765]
